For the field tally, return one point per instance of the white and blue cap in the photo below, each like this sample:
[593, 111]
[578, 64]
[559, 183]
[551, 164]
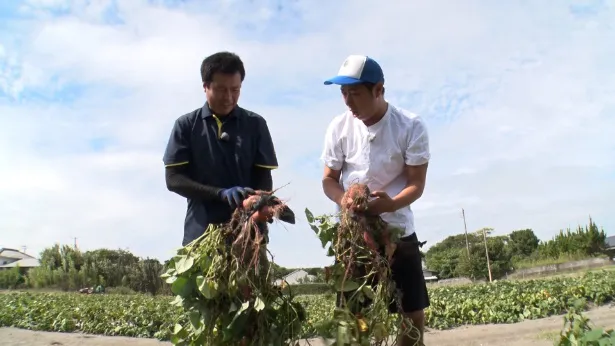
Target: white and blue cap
[358, 69]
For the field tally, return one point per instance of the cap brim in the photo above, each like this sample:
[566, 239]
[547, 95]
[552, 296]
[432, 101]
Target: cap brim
[343, 80]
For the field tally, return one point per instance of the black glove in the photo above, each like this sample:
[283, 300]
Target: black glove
[235, 195]
[287, 215]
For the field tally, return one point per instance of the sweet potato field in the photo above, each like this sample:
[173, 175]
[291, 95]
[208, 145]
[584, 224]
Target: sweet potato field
[155, 317]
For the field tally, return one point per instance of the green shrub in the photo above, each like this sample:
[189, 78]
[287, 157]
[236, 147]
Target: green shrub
[308, 289]
[11, 278]
[120, 290]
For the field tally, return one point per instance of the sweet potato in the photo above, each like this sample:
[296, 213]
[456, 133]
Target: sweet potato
[356, 197]
[264, 214]
[369, 240]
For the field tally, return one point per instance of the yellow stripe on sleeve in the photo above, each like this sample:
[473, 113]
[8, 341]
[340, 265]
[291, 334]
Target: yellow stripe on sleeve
[177, 164]
[268, 167]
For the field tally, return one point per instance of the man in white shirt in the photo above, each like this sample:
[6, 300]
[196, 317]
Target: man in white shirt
[387, 148]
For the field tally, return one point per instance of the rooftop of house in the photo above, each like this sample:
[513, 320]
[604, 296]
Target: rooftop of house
[22, 263]
[12, 253]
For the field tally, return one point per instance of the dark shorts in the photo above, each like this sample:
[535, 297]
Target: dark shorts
[407, 272]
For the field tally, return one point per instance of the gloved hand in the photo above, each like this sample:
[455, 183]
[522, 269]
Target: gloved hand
[234, 196]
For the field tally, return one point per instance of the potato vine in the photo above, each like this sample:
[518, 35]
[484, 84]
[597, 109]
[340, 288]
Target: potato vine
[362, 246]
[223, 281]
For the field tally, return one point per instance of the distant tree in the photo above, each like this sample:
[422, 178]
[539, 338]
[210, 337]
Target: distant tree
[523, 242]
[444, 256]
[584, 241]
[279, 271]
[475, 267]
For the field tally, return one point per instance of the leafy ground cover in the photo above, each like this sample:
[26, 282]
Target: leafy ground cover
[154, 317]
[515, 301]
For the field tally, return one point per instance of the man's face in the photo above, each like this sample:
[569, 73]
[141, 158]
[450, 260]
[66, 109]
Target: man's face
[360, 100]
[223, 92]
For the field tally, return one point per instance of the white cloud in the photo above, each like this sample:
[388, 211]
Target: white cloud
[518, 100]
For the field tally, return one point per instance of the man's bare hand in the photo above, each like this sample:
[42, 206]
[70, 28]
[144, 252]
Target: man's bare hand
[383, 203]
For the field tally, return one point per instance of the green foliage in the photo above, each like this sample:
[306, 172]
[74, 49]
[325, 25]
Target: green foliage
[66, 268]
[445, 256]
[523, 243]
[308, 289]
[519, 249]
[147, 316]
[588, 240]
[353, 322]
[515, 301]
[228, 299]
[69, 280]
[120, 290]
[476, 266]
[112, 267]
[578, 331]
[279, 272]
[144, 276]
[61, 257]
[135, 315]
[11, 278]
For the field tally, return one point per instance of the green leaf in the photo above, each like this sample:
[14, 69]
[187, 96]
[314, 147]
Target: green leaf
[177, 328]
[235, 328]
[205, 263]
[178, 301]
[243, 308]
[323, 239]
[184, 264]
[195, 319]
[259, 304]
[369, 292]
[178, 284]
[207, 288]
[348, 285]
[309, 216]
[315, 229]
[233, 307]
[593, 335]
[342, 335]
[181, 286]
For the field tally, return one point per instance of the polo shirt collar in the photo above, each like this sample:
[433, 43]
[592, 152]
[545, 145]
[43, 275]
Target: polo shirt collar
[206, 111]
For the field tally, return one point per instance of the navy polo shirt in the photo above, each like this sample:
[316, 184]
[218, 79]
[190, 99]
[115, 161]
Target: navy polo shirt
[221, 152]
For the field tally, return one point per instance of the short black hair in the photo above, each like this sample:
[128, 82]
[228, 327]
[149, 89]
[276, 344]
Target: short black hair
[221, 62]
[370, 86]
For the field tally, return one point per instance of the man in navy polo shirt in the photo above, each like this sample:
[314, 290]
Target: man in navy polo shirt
[220, 153]
[387, 148]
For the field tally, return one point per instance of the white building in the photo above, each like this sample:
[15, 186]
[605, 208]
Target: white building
[11, 258]
[301, 276]
[429, 275]
[610, 246]
[296, 277]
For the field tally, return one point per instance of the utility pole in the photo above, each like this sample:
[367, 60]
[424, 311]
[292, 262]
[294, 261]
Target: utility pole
[75, 243]
[463, 214]
[487, 253]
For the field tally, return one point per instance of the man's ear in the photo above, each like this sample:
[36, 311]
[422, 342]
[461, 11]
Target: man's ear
[379, 89]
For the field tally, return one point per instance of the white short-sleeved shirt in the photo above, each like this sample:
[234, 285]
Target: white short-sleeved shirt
[376, 155]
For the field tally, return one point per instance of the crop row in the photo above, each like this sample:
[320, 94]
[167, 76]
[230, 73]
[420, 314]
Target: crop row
[147, 316]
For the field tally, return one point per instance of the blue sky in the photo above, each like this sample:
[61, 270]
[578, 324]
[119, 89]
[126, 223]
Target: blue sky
[517, 97]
